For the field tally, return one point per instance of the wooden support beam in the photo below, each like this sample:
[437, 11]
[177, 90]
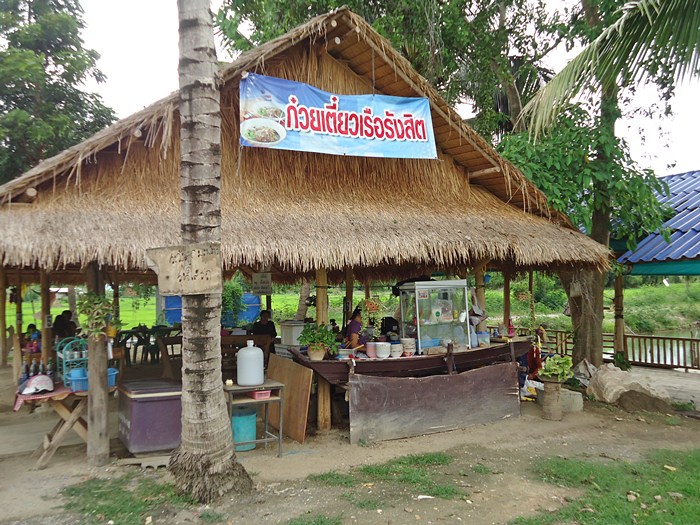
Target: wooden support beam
[18, 306]
[367, 291]
[4, 347]
[620, 341]
[531, 289]
[506, 297]
[46, 339]
[349, 284]
[115, 296]
[480, 294]
[268, 302]
[321, 296]
[98, 434]
[323, 413]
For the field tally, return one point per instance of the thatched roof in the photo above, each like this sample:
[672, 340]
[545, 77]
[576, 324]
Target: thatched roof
[117, 193]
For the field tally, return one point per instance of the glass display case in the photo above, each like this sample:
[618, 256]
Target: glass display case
[433, 311]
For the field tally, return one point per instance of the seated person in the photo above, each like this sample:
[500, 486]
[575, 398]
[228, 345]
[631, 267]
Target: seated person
[32, 334]
[265, 326]
[71, 327]
[353, 337]
[60, 327]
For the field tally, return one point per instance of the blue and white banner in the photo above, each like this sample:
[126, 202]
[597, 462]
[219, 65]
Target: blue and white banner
[282, 114]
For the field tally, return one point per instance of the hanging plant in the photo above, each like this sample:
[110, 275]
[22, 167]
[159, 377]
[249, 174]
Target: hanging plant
[97, 310]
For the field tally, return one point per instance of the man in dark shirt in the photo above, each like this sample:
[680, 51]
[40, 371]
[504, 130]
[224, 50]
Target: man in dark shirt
[265, 326]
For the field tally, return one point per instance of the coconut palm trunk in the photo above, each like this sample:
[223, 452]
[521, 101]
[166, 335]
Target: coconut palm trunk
[204, 465]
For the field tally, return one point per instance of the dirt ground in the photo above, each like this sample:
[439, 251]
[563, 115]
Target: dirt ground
[508, 449]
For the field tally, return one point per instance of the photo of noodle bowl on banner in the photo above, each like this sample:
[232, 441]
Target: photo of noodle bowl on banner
[282, 114]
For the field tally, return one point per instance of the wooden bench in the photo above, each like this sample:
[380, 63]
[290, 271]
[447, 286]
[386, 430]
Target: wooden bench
[170, 349]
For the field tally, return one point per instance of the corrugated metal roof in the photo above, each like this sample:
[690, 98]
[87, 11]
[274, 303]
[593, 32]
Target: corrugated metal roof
[684, 227]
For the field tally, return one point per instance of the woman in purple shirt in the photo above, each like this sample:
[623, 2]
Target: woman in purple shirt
[353, 337]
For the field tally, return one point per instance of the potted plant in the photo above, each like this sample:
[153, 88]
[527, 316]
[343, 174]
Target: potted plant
[556, 370]
[319, 340]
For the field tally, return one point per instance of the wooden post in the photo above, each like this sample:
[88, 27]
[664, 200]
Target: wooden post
[349, 284]
[4, 347]
[323, 412]
[531, 288]
[115, 295]
[18, 305]
[98, 434]
[46, 339]
[506, 297]
[480, 294]
[321, 296]
[268, 302]
[620, 346]
[367, 290]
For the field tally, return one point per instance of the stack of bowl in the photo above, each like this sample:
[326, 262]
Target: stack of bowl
[383, 349]
[396, 349]
[409, 346]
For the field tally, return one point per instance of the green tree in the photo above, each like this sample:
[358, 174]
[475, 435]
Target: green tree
[611, 191]
[43, 65]
[483, 51]
[648, 39]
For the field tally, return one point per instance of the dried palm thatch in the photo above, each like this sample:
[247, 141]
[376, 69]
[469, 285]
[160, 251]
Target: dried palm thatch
[117, 194]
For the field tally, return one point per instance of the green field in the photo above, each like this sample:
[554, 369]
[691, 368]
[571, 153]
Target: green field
[648, 309]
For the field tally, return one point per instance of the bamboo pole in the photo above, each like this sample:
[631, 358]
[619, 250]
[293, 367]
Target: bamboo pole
[480, 294]
[46, 340]
[115, 296]
[506, 298]
[323, 412]
[98, 434]
[349, 284]
[18, 304]
[531, 289]
[4, 347]
[619, 344]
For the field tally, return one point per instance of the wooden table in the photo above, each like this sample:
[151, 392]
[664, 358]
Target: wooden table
[70, 406]
[238, 395]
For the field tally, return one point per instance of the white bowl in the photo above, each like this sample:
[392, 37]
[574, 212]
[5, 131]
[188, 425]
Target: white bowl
[265, 129]
[396, 350]
[383, 350]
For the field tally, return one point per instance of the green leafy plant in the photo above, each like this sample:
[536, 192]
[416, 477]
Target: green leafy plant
[97, 310]
[318, 336]
[620, 360]
[557, 368]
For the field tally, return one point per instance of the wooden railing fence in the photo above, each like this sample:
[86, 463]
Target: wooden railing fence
[645, 350]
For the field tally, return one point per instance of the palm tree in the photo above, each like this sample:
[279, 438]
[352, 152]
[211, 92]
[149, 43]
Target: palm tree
[204, 465]
[666, 32]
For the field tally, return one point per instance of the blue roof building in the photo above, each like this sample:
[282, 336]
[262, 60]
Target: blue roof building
[655, 256]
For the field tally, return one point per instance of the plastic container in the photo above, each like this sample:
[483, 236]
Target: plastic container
[483, 338]
[383, 350]
[112, 374]
[243, 424]
[371, 349]
[473, 339]
[149, 414]
[78, 384]
[260, 394]
[250, 366]
[291, 331]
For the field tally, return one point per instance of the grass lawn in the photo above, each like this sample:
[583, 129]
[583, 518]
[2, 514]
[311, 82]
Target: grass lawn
[662, 489]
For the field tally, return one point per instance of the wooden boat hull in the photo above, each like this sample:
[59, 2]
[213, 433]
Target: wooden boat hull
[336, 371]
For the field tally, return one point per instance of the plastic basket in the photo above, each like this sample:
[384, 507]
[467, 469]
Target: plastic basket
[429, 343]
[79, 385]
[112, 377]
[260, 394]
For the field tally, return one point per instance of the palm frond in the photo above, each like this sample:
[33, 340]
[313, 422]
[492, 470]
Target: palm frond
[648, 31]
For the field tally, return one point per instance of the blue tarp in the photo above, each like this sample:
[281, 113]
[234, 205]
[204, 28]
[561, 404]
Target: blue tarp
[173, 310]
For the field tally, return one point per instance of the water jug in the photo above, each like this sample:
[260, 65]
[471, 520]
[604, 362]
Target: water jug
[250, 366]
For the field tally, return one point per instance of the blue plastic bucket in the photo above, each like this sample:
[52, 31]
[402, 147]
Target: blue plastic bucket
[243, 424]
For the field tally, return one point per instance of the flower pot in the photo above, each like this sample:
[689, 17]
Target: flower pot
[551, 401]
[316, 353]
